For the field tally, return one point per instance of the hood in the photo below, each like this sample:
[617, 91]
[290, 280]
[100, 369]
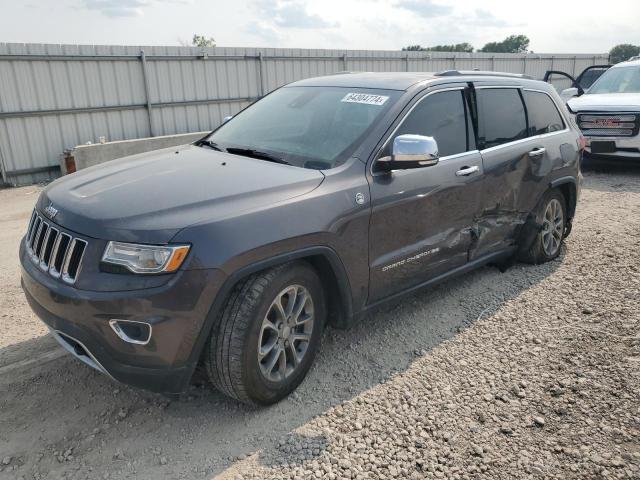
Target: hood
[151, 196]
[605, 102]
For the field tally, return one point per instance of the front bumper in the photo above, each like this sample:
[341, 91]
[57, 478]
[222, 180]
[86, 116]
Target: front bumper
[625, 147]
[177, 311]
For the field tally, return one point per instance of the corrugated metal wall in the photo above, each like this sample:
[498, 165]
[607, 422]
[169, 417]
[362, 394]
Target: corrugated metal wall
[54, 97]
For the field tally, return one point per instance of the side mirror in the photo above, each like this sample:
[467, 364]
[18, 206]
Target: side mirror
[227, 118]
[411, 151]
[568, 93]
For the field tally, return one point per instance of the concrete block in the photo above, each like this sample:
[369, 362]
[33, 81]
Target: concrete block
[84, 156]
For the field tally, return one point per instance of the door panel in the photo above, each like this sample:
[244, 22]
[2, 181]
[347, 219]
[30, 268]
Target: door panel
[505, 172]
[422, 218]
[421, 223]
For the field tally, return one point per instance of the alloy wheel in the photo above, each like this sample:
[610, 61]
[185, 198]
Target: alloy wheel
[285, 333]
[552, 227]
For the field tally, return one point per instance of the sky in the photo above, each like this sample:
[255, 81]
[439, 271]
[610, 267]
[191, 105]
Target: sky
[552, 26]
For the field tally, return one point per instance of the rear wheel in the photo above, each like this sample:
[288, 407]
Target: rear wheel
[551, 215]
[268, 334]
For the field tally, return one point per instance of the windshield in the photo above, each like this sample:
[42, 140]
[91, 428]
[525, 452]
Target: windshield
[311, 127]
[618, 80]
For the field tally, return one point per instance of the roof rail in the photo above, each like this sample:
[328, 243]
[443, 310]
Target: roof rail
[480, 73]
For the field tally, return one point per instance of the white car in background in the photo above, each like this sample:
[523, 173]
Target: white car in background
[579, 85]
[608, 113]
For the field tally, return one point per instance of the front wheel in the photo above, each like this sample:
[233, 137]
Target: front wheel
[551, 215]
[268, 334]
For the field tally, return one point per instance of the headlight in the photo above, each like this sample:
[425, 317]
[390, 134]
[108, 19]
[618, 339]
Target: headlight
[146, 258]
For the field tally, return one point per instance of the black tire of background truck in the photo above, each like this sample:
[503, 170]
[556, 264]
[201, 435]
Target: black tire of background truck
[231, 357]
[535, 254]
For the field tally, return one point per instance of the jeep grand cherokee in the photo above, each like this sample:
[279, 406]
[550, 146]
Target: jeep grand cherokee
[314, 205]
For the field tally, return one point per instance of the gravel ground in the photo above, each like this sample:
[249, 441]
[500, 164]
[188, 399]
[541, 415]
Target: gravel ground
[530, 373]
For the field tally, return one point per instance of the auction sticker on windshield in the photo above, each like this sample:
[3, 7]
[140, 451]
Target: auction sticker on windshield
[365, 98]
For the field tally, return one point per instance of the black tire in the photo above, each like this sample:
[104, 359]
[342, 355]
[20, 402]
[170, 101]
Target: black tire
[231, 355]
[536, 253]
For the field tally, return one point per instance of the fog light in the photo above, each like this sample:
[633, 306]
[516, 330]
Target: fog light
[132, 331]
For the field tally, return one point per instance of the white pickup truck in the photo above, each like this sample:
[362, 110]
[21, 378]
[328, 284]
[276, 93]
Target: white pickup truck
[608, 112]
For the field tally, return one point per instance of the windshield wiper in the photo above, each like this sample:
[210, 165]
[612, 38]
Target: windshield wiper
[250, 152]
[210, 144]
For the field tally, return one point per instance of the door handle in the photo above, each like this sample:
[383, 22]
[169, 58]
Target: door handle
[537, 152]
[465, 171]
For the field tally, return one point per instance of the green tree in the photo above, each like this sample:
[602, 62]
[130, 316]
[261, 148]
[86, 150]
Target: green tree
[413, 48]
[202, 41]
[511, 44]
[458, 47]
[623, 52]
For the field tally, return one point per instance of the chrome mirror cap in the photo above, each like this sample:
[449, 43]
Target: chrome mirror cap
[411, 151]
[415, 148]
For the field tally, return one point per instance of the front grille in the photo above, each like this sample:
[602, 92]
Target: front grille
[54, 251]
[609, 124]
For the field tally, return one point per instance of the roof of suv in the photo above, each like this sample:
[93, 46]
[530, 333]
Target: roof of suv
[632, 62]
[398, 80]
[378, 80]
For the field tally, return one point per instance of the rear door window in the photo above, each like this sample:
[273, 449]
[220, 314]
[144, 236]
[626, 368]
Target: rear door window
[443, 116]
[501, 116]
[544, 116]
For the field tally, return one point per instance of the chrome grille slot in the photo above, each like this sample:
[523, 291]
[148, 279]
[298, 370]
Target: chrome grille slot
[602, 132]
[71, 266]
[37, 244]
[616, 118]
[59, 252]
[31, 222]
[34, 231]
[596, 125]
[47, 248]
[54, 251]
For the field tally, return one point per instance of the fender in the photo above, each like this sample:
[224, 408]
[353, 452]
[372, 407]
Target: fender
[557, 183]
[531, 227]
[562, 180]
[343, 287]
[572, 202]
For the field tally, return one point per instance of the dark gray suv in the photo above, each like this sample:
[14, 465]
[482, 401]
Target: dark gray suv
[319, 202]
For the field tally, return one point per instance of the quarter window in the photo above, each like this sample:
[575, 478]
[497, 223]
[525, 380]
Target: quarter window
[543, 114]
[442, 116]
[501, 116]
